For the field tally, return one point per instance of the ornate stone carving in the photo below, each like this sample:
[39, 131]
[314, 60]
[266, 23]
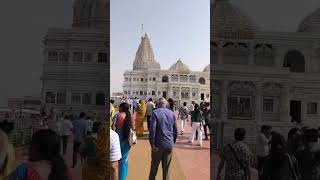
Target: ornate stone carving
[216, 86]
[269, 88]
[241, 88]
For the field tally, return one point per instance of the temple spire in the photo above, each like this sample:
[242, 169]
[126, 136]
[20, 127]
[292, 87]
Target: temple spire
[144, 56]
[141, 30]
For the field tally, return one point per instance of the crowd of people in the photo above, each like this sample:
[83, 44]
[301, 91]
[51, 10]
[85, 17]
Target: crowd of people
[46, 158]
[161, 121]
[49, 144]
[278, 158]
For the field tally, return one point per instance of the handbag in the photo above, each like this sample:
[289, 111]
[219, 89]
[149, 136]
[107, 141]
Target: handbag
[238, 161]
[293, 169]
[132, 137]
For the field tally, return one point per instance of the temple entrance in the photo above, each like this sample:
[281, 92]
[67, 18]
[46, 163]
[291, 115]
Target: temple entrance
[295, 111]
[164, 94]
[202, 96]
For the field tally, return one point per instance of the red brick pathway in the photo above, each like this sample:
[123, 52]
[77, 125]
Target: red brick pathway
[194, 160]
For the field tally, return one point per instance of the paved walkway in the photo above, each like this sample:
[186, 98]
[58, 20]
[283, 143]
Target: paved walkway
[140, 160]
[189, 161]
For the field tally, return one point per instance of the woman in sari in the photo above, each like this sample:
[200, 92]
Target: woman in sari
[123, 125]
[45, 161]
[92, 167]
[7, 155]
[140, 117]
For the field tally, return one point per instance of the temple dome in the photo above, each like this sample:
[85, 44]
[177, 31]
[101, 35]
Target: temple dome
[311, 23]
[180, 67]
[145, 57]
[207, 68]
[228, 21]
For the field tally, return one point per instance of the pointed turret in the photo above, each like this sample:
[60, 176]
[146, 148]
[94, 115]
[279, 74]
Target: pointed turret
[145, 57]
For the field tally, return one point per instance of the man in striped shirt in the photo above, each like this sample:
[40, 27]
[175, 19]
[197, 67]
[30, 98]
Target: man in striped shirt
[115, 154]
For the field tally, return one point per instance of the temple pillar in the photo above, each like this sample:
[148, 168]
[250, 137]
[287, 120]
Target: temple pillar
[279, 59]
[303, 110]
[251, 54]
[258, 101]
[224, 100]
[284, 104]
[219, 53]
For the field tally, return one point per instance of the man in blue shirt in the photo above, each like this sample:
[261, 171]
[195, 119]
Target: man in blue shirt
[134, 104]
[162, 137]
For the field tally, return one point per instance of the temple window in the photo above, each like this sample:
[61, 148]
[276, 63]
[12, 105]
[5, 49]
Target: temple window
[61, 98]
[268, 105]
[100, 99]
[239, 107]
[312, 108]
[75, 98]
[202, 80]
[295, 61]
[52, 56]
[165, 79]
[102, 57]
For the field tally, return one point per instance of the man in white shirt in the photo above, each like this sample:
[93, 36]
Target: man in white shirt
[66, 128]
[115, 154]
[89, 125]
[262, 146]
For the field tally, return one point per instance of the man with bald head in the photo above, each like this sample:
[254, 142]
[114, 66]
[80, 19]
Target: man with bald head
[162, 137]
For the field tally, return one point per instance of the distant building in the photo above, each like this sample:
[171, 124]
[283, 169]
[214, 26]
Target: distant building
[27, 102]
[76, 64]
[148, 80]
[117, 94]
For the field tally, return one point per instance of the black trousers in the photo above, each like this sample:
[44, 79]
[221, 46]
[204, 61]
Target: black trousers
[261, 162]
[64, 143]
[206, 128]
[76, 148]
[148, 121]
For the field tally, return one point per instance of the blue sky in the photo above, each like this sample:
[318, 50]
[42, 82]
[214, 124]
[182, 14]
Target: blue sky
[176, 28]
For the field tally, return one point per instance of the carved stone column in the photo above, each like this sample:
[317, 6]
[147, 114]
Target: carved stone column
[68, 96]
[220, 52]
[224, 100]
[303, 110]
[251, 54]
[279, 59]
[258, 100]
[284, 103]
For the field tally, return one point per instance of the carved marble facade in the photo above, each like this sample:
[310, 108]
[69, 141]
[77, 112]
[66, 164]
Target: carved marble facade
[261, 77]
[75, 68]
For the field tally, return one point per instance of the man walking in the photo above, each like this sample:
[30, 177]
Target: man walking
[150, 107]
[134, 104]
[183, 116]
[66, 130]
[162, 136]
[115, 155]
[79, 133]
[262, 147]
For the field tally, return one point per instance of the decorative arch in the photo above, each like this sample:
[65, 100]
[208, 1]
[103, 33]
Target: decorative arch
[202, 80]
[295, 60]
[165, 79]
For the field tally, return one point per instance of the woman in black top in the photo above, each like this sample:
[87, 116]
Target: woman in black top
[279, 164]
